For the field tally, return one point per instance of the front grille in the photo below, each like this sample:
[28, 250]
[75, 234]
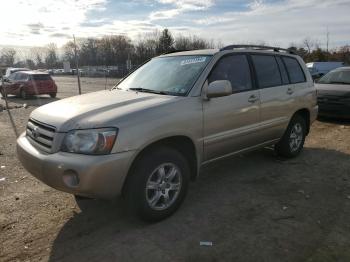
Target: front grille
[40, 135]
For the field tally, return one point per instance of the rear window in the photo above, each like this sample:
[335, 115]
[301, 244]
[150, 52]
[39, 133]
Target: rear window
[41, 77]
[295, 72]
[267, 71]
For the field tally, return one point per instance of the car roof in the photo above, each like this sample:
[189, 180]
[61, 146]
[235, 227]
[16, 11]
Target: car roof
[33, 72]
[193, 52]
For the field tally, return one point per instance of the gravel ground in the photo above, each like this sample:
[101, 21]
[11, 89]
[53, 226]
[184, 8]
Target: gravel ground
[253, 207]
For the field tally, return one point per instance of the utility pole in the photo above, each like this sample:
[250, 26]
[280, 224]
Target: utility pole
[76, 64]
[327, 43]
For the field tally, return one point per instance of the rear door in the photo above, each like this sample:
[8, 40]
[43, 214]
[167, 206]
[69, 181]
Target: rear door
[42, 83]
[230, 122]
[276, 95]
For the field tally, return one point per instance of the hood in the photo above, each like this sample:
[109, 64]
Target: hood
[97, 109]
[333, 89]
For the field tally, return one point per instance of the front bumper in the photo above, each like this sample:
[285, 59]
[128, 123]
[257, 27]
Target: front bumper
[85, 175]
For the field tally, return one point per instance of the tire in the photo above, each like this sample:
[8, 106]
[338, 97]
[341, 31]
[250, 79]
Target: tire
[292, 142]
[157, 184]
[53, 95]
[23, 94]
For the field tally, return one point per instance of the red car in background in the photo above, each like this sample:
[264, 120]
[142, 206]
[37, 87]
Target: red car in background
[27, 83]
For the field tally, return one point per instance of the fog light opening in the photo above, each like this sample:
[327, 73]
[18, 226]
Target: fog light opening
[71, 178]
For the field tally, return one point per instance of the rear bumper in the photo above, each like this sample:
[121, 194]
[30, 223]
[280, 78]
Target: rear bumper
[85, 175]
[41, 91]
[331, 110]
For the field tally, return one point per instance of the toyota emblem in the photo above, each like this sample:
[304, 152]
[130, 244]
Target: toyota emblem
[35, 132]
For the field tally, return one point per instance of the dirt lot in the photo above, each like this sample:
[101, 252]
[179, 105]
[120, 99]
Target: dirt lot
[253, 207]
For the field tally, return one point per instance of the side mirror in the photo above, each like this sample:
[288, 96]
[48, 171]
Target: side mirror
[219, 88]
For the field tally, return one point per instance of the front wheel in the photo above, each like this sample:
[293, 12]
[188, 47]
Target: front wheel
[293, 139]
[53, 95]
[158, 184]
[23, 94]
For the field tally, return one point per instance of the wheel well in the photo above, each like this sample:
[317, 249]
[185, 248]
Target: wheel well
[305, 113]
[182, 144]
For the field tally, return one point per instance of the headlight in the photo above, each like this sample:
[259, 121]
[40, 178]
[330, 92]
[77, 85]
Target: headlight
[90, 141]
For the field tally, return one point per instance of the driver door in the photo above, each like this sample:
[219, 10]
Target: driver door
[231, 122]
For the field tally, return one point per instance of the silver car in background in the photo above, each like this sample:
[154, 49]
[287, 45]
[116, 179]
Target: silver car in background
[152, 133]
[333, 93]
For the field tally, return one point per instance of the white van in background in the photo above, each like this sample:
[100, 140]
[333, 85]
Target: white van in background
[12, 70]
[318, 69]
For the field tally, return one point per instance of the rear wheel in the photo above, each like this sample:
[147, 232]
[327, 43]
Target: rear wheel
[23, 94]
[53, 95]
[158, 184]
[293, 139]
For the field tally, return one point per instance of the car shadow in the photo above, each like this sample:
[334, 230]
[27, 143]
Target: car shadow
[334, 120]
[30, 101]
[249, 207]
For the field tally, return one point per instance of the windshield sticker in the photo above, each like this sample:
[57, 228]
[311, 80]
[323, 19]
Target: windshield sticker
[193, 61]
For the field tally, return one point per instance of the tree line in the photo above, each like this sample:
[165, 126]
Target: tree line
[117, 49]
[106, 51]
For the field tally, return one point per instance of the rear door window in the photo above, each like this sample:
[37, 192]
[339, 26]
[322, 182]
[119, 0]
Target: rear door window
[267, 71]
[234, 68]
[295, 72]
[42, 77]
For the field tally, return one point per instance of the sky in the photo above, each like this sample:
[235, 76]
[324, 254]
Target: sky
[274, 22]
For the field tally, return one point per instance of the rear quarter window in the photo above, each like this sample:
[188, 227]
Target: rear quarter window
[267, 71]
[296, 74]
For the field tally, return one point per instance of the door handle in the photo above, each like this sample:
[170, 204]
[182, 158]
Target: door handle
[290, 91]
[253, 99]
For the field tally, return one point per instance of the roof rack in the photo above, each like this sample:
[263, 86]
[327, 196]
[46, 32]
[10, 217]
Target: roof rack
[174, 51]
[257, 47]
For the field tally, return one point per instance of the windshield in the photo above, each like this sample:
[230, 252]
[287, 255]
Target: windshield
[336, 77]
[174, 75]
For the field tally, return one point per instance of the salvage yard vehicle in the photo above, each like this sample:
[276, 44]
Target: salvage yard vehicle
[319, 69]
[11, 70]
[333, 93]
[147, 137]
[27, 83]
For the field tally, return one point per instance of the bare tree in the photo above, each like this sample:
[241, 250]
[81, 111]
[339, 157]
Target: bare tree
[51, 58]
[8, 56]
[37, 55]
[309, 44]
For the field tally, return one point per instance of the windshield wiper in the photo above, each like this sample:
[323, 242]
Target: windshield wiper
[145, 90]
